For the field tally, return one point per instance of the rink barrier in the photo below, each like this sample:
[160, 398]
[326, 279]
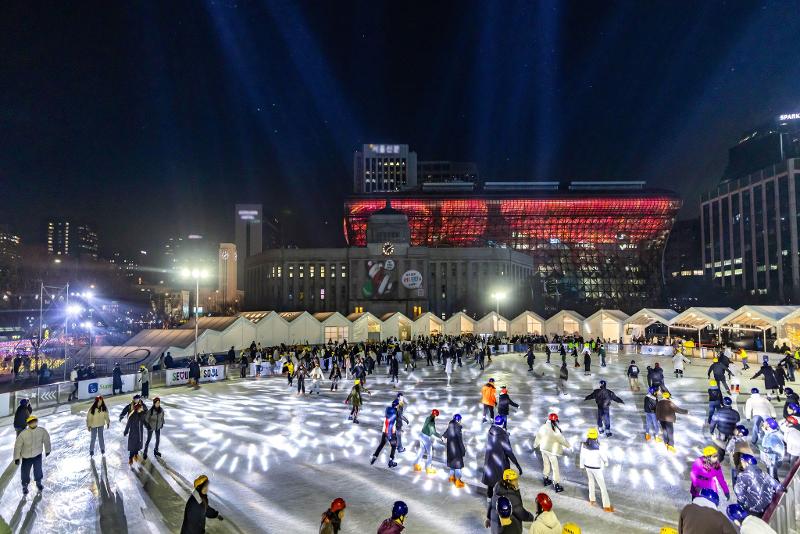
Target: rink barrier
[783, 514]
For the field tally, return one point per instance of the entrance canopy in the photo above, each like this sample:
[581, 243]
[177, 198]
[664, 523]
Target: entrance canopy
[606, 324]
[698, 318]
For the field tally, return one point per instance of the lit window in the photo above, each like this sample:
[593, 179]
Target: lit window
[311, 271]
[322, 294]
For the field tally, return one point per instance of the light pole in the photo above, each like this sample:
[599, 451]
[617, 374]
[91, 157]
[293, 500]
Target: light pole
[72, 309]
[498, 296]
[88, 326]
[196, 274]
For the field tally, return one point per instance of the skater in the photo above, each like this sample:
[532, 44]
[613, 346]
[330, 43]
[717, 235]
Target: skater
[507, 497]
[757, 408]
[332, 518]
[747, 524]
[504, 404]
[498, 457]
[547, 352]
[718, 369]
[791, 399]
[702, 517]
[603, 397]
[73, 377]
[545, 521]
[400, 405]
[394, 524]
[531, 359]
[355, 400]
[335, 377]
[131, 407]
[707, 473]
[455, 450]
[655, 377]
[587, 362]
[601, 351]
[772, 446]
[714, 399]
[97, 418]
[144, 380]
[316, 378]
[116, 379]
[426, 436]
[394, 370]
[770, 378]
[650, 419]
[677, 363]
[28, 448]
[134, 429]
[288, 368]
[489, 400]
[593, 458]
[666, 411]
[197, 508]
[21, 415]
[448, 369]
[725, 420]
[563, 377]
[754, 488]
[301, 380]
[388, 435]
[154, 422]
[791, 436]
[481, 357]
[737, 446]
[551, 443]
[194, 374]
[633, 376]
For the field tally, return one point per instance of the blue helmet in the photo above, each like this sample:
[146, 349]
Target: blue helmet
[788, 391]
[711, 495]
[457, 418]
[395, 403]
[754, 391]
[742, 430]
[772, 423]
[499, 420]
[736, 512]
[602, 383]
[727, 401]
[503, 507]
[651, 390]
[23, 402]
[748, 459]
[400, 509]
[793, 406]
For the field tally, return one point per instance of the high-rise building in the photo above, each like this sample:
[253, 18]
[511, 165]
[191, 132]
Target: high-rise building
[227, 273]
[749, 221]
[381, 168]
[66, 237]
[249, 241]
[437, 172]
[9, 245]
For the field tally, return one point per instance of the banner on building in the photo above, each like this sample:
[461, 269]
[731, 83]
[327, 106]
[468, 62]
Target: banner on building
[176, 377]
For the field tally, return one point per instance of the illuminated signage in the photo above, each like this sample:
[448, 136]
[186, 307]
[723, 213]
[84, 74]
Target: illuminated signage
[385, 149]
[248, 215]
[789, 117]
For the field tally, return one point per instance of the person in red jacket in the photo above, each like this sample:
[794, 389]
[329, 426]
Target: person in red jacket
[395, 524]
[489, 400]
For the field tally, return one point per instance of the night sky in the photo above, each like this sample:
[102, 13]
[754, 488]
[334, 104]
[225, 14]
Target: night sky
[153, 118]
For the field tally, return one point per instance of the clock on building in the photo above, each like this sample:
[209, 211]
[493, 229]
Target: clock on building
[388, 249]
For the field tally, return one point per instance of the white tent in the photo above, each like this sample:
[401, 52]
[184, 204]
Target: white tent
[427, 324]
[396, 325]
[237, 332]
[459, 323]
[303, 328]
[564, 323]
[491, 324]
[335, 326]
[366, 327]
[636, 324]
[697, 318]
[271, 328]
[526, 323]
[606, 324]
[785, 320]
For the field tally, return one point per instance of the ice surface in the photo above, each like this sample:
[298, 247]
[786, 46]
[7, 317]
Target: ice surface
[276, 460]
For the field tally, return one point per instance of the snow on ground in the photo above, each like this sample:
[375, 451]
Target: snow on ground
[276, 460]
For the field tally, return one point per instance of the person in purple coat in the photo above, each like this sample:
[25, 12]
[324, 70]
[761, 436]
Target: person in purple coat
[706, 471]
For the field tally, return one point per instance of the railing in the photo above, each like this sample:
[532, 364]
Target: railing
[783, 514]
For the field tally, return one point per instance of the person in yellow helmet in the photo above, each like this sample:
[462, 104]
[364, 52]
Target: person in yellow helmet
[197, 508]
[355, 401]
[707, 473]
[714, 399]
[572, 528]
[594, 458]
[666, 411]
[508, 487]
[28, 449]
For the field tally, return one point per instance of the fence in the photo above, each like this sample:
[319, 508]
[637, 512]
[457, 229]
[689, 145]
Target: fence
[783, 515]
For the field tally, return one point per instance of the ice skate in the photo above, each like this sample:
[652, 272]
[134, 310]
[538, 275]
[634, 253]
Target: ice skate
[418, 467]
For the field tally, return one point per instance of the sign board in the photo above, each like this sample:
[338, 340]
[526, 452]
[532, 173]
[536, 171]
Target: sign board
[5, 404]
[176, 377]
[89, 389]
[411, 279]
[612, 348]
[656, 350]
[789, 116]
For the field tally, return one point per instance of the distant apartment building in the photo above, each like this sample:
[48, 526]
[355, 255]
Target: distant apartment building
[384, 168]
[66, 237]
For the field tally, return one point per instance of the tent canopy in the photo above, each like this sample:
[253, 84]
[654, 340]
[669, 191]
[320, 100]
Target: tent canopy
[525, 323]
[647, 316]
[606, 324]
[697, 318]
[762, 317]
[565, 322]
[491, 323]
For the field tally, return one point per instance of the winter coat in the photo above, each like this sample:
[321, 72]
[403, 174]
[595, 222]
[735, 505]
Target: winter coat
[704, 478]
[791, 436]
[656, 375]
[666, 410]
[194, 371]
[154, 419]
[772, 446]
[593, 456]
[489, 395]
[448, 367]
[703, 519]
[195, 513]
[21, 416]
[530, 358]
[758, 405]
[550, 440]
[31, 442]
[770, 380]
[755, 489]
[504, 404]
[389, 526]
[725, 420]
[518, 511]
[603, 397]
[455, 446]
[755, 525]
[144, 376]
[633, 371]
[354, 397]
[650, 403]
[718, 370]
[546, 523]
[116, 381]
[587, 361]
[97, 419]
[331, 524]
[677, 362]
[499, 456]
[316, 374]
[134, 429]
[563, 373]
[793, 398]
[715, 395]
[429, 427]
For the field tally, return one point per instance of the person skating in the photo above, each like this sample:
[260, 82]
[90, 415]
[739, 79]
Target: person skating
[426, 436]
[530, 358]
[331, 522]
[335, 377]
[754, 488]
[288, 368]
[702, 517]
[301, 379]
[388, 435]
[601, 351]
[719, 370]
[506, 493]
[153, 422]
[551, 443]
[563, 377]
[355, 400]
[134, 429]
[603, 397]
[736, 446]
[448, 369]
[666, 411]
[97, 418]
[791, 437]
[194, 374]
[594, 458]
[396, 523]
[144, 380]
[545, 520]
[757, 408]
[747, 524]
[116, 379]
[725, 420]
[394, 370]
[400, 404]
[714, 399]
[316, 379]
[504, 404]
[24, 410]
[455, 450]
[131, 406]
[498, 457]
[587, 362]
[707, 473]
[73, 377]
[633, 376]
[772, 446]
[770, 379]
[677, 363]
[651, 426]
[791, 398]
[28, 449]
[547, 352]
[488, 400]
[197, 509]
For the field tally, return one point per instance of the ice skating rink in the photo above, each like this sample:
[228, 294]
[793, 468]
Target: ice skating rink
[276, 460]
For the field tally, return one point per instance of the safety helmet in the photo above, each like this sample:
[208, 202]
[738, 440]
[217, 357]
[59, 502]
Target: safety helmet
[788, 391]
[553, 417]
[715, 360]
[504, 510]
[602, 383]
[727, 401]
[435, 412]
[199, 481]
[23, 402]
[399, 509]
[510, 474]
[753, 391]
[396, 403]
[356, 382]
[710, 451]
[543, 502]
[31, 418]
[572, 528]
[499, 419]
[745, 458]
[793, 406]
[338, 504]
[592, 433]
[711, 495]
[651, 390]
[736, 512]
[742, 430]
[399, 395]
[491, 380]
[457, 418]
[667, 530]
[666, 394]
[772, 423]
[792, 420]
[712, 383]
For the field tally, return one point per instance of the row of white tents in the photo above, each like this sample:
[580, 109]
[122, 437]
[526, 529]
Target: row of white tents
[218, 334]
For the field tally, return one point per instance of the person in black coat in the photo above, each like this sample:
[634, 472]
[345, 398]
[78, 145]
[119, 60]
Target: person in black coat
[134, 429]
[168, 361]
[455, 450]
[499, 456]
[655, 377]
[602, 397]
[116, 379]
[791, 398]
[197, 509]
[194, 373]
[504, 404]
[531, 359]
[587, 363]
[768, 373]
[719, 370]
[24, 410]
[725, 419]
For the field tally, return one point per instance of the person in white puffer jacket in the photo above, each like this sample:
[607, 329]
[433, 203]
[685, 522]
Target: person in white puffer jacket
[757, 408]
[96, 418]
[28, 449]
[791, 436]
[551, 442]
[593, 458]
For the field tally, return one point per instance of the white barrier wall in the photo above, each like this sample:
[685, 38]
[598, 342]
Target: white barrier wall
[176, 377]
[89, 389]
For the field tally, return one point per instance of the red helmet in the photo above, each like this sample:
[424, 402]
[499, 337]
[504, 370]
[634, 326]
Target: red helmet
[338, 504]
[543, 501]
[435, 412]
[554, 418]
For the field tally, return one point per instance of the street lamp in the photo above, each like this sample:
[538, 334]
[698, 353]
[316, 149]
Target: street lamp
[195, 274]
[498, 296]
[72, 310]
[88, 326]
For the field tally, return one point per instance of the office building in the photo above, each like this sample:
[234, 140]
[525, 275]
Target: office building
[437, 172]
[382, 168]
[66, 237]
[249, 241]
[769, 144]
[227, 274]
